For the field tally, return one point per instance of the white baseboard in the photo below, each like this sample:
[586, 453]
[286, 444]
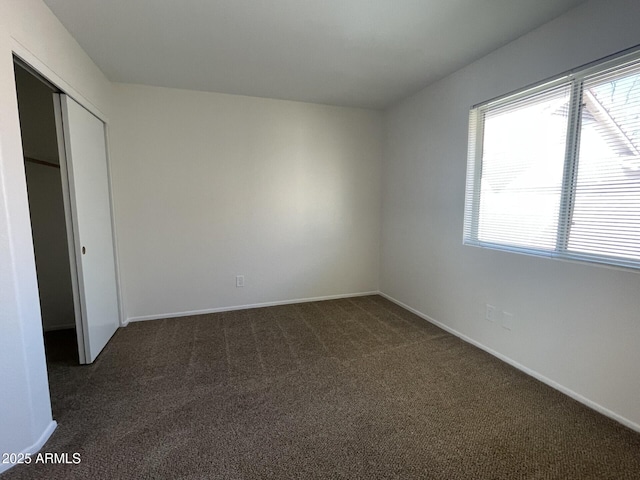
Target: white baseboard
[35, 447]
[576, 396]
[245, 307]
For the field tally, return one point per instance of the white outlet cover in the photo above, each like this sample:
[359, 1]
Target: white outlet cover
[490, 313]
[507, 320]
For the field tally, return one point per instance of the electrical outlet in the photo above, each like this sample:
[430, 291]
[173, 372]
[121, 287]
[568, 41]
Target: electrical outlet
[239, 280]
[490, 313]
[507, 320]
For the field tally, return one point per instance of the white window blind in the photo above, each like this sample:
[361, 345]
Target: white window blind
[555, 170]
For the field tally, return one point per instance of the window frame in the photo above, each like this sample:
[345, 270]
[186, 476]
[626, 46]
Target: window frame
[575, 79]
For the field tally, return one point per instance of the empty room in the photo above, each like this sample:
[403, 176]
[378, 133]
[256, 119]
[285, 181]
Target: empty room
[320, 239]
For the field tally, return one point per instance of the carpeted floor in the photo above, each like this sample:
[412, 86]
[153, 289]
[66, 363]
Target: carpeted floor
[353, 388]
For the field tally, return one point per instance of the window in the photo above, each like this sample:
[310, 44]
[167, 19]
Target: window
[555, 170]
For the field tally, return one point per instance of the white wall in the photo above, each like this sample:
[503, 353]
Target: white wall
[28, 26]
[575, 324]
[210, 186]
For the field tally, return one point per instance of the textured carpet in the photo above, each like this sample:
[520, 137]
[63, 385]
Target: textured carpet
[353, 388]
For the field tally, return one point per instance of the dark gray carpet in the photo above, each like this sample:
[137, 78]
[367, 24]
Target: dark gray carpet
[354, 388]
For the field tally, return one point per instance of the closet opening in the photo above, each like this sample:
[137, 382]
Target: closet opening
[42, 163]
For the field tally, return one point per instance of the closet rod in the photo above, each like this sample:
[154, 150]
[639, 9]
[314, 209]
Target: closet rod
[41, 162]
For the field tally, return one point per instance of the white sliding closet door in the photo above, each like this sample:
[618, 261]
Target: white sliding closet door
[90, 204]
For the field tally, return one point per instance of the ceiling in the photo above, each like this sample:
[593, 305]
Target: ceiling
[365, 53]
